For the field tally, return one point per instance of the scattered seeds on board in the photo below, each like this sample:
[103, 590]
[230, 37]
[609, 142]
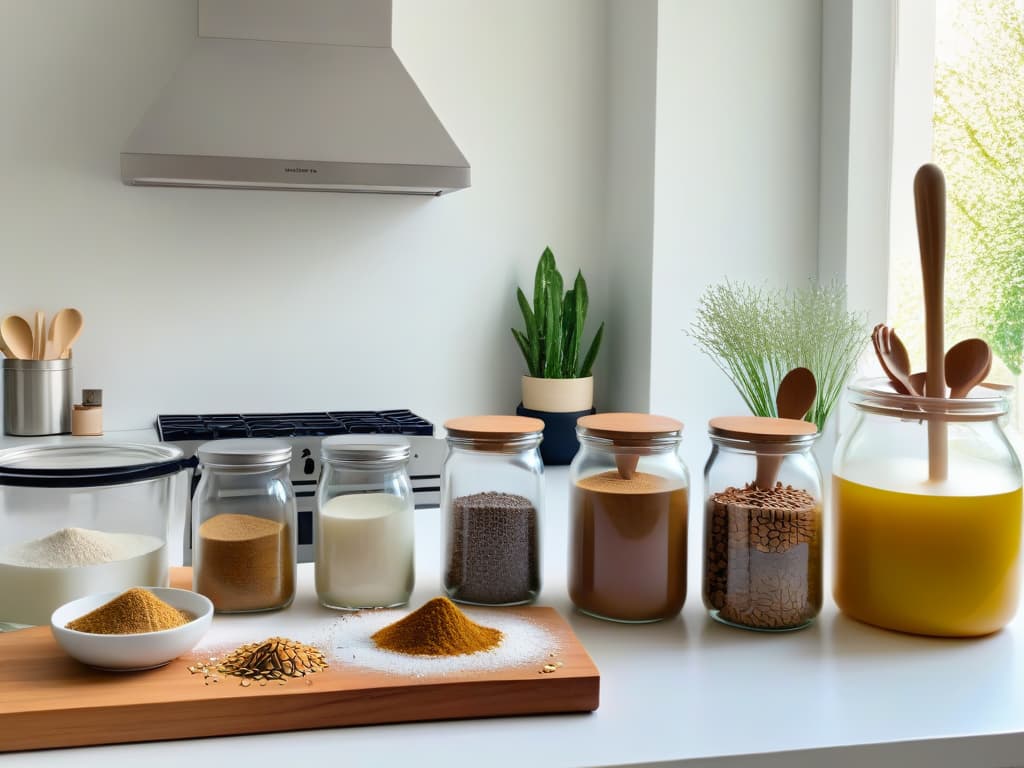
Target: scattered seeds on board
[275, 659]
[550, 667]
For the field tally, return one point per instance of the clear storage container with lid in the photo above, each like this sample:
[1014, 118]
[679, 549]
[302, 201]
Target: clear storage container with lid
[915, 551]
[364, 523]
[83, 518]
[628, 518]
[762, 523]
[491, 507]
[243, 525]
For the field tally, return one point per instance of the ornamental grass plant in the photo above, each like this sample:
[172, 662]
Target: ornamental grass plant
[755, 336]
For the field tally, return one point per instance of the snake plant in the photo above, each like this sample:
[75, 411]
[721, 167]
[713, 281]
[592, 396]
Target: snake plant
[554, 325]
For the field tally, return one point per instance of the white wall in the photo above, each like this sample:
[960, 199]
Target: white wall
[632, 86]
[212, 300]
[736, 179]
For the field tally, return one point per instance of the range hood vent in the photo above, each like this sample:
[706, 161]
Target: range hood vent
[302, 95]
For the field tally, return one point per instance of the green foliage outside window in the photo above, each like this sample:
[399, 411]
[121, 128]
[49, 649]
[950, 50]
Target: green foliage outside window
[979, 144]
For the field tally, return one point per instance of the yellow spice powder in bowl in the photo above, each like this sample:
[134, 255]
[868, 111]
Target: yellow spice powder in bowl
[140, 628]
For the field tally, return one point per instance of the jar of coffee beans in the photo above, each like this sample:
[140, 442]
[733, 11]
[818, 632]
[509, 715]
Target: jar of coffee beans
[762, 523]
[628, 516]
[243, 525]
[491, 491]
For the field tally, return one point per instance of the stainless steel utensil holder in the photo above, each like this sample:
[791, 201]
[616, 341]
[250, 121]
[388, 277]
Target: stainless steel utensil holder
[37, 397]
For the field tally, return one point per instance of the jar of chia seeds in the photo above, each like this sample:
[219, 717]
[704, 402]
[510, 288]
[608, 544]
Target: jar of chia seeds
[628, 517]
[491, 505]
[762, 523]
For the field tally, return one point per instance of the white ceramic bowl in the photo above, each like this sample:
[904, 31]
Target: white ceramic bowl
[125, 653]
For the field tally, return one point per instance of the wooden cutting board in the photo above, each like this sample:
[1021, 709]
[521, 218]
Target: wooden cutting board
[50, 700]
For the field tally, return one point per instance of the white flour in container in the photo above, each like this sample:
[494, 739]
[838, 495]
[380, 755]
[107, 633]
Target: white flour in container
[38, 576]
[523, 643]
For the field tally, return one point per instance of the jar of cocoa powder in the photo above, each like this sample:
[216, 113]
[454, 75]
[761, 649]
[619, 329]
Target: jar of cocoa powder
[762, 523]
[628, 517]
[491, 504]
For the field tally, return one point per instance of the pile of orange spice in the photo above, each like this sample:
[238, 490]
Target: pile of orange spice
[438, 628]
[131, 613]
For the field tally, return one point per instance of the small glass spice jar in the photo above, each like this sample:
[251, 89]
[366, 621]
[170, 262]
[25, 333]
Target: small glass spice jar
[244, 525]
[762, 523]
[628, 517]
[491, 505]
[926, 546]
[364, 523]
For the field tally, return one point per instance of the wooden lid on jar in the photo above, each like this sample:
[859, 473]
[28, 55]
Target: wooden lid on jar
[493, 427]
[760, 428]
[629, 426]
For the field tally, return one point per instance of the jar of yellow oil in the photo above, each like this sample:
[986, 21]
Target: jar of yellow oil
[916, 553]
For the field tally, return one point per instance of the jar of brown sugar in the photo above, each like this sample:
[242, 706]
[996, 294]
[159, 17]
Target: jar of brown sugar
[762, 523]
[628, 517]
[491, 494]
[243, 525]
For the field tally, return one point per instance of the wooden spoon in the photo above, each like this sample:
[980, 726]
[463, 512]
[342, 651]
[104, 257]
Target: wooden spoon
[930, 207]
[67, 326]
[895, 359]
[39, 338]
[917, 382]
[17, 336]
[797, 391]
[794, 399]
[967, 364]
[626, 464]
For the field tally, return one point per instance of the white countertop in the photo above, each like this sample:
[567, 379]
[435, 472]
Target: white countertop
[682, 692]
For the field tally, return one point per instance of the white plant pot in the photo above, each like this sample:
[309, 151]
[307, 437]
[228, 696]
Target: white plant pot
[558, 395]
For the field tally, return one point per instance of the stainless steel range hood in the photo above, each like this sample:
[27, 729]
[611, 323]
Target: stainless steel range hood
[305, 95]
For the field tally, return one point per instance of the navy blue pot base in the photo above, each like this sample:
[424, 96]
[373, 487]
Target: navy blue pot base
[560, 443]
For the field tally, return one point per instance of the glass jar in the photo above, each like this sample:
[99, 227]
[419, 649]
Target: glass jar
[364, 523]
[491, 505]
[917, 551]
[85, 517]
[762, 523]
[244, 525]
[628, 499]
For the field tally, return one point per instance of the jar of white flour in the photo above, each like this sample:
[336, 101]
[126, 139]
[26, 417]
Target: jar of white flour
[84, 517]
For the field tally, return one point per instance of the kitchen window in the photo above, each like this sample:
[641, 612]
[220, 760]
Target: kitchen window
[959, 102]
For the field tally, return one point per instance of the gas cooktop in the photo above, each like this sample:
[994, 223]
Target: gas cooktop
[304, 431]
[223, 425]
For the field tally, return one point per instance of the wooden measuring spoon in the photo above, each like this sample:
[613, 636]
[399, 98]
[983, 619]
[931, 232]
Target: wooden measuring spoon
[894, 358]
[967, 364]
[17, 336]
[66, 328]
[626, 464]
[930, 207]
[794, 399]
[797, 391]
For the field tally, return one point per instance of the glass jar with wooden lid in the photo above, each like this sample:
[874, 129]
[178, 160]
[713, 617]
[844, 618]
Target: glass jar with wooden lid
[762, 523]
[491, 506]
[628, 501]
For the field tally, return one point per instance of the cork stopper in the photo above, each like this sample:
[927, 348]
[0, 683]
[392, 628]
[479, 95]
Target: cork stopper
[628, 426]
[628, 429]
[760, 429]
[493, 427]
